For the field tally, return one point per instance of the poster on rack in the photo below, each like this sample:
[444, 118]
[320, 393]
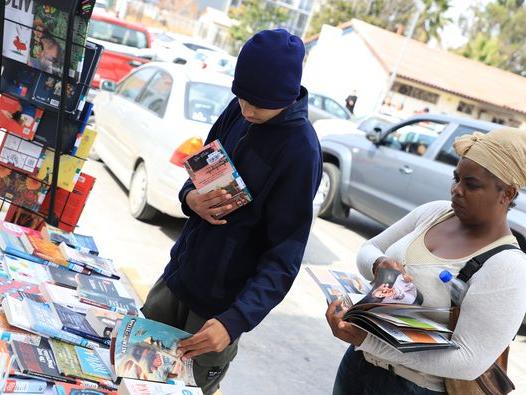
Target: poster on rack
[17, 30]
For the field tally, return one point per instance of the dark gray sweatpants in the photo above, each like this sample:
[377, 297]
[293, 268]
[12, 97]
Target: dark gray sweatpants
[210, 368]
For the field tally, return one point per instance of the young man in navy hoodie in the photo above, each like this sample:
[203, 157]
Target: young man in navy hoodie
[226, 275]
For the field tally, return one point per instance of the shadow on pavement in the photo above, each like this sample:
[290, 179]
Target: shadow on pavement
[361, 224]
[316, 253]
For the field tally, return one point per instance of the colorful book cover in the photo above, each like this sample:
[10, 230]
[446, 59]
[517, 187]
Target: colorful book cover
[14, 287]
[45, 249]
[20, 154]
[106, 294]
[48, 91]
[146, 350]
[19, 117]
[17, 30]
[21, 190]
[91, 364]
[20, 269]
[17, 230]
[211, 169]
[69, 170]
[86, 244]
[57, 235]
[67, 361]
[37, 360]
[47, 47]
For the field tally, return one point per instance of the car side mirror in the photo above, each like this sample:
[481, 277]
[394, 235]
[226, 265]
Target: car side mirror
[180, 61]
[108, 86]
[373, 137]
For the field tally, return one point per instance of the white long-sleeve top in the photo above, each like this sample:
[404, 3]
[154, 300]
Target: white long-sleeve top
[491, 312]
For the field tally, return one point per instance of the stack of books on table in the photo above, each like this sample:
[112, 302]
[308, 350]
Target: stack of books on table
[68, 322]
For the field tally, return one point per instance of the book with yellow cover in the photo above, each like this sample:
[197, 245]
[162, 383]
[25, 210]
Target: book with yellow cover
[69, 170]
[87, 139]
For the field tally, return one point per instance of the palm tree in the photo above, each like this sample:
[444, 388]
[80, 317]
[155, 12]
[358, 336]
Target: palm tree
[432, 20]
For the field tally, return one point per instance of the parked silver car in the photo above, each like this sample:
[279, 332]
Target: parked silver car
[323, 107]
[385, 174]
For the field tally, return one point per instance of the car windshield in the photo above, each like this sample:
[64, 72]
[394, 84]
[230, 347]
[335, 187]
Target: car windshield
[106, 31]
[205, 102]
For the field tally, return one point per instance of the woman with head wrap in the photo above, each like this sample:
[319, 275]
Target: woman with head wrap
[445, 235]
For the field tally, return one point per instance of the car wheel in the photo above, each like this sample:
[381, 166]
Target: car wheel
[137, 195]
[329, 193]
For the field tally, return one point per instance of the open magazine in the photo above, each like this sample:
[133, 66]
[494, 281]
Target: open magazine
[389, 308]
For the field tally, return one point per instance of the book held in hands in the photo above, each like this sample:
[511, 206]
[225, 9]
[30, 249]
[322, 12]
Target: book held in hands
[211, 169]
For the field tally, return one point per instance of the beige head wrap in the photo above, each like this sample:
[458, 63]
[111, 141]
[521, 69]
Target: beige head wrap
[502, 152]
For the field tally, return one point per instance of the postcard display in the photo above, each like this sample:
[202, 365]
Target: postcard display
[44, 48]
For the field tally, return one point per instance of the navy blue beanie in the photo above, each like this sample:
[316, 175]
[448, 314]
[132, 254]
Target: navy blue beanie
[268, 69]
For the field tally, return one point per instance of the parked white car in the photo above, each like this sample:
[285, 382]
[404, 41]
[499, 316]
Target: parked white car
[149, 123]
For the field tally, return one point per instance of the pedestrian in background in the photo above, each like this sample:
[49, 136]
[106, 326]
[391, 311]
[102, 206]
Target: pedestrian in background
[350, 102]
[225, 275]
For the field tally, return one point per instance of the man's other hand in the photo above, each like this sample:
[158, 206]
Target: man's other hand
[212, 337]
[203, 204]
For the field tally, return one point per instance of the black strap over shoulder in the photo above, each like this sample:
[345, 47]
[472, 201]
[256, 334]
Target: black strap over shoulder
[475, 263]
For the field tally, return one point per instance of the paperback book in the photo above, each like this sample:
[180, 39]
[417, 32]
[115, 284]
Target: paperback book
[17, 30]
[68, 171]
[97, 264]
[23, 270]
[19, 117]
[146, 350]
[20, 154]
[21, 189]
[106, 294]
[211, 169]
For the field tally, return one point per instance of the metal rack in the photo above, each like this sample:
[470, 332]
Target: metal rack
[71, 7]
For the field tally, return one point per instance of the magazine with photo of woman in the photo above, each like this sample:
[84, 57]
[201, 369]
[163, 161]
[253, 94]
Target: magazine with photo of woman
[393, 286]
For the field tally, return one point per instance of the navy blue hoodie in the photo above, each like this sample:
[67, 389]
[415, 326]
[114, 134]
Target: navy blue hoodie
[238, 272]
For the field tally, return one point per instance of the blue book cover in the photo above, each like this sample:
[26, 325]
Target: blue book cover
[45, 321]
[91, 363]
[86, 244]
[73, 319]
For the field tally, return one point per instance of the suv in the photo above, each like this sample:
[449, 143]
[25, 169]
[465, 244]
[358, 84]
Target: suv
[126, 46]
[387, 173]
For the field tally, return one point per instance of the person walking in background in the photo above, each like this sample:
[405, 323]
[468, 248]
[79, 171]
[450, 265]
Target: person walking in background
[350, 102]
[225, 275]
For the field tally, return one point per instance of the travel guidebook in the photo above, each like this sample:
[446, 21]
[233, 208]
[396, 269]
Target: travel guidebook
[391, 310]
[212, 169]
[146, 350]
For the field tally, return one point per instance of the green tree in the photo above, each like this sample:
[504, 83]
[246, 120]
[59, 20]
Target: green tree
[252, 16]
[394, 15]
[496, 35]
[432, 20]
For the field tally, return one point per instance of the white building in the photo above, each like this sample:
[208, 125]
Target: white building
[362, 57]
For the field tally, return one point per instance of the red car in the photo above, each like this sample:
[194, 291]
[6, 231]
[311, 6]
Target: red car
[126, 46]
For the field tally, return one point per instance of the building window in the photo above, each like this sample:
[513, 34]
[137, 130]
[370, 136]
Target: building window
[417, 93]
[465, 107]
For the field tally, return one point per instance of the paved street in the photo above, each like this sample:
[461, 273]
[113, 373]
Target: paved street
[292, 351]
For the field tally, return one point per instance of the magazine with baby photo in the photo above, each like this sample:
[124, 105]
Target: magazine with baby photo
[211, 169]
